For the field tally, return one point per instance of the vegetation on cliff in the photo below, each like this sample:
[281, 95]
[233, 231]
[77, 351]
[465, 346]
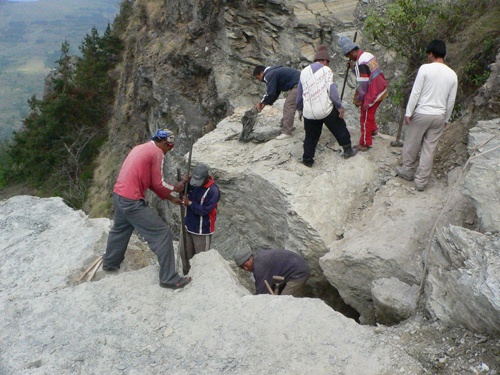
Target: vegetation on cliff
[55, 149]
[471, 29]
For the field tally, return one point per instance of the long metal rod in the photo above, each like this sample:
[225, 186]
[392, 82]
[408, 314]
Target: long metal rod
[185, 265]
[347, 71]
[189, 162]
[184, 257]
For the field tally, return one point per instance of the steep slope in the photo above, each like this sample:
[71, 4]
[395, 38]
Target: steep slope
[188, 64]
[126, 323]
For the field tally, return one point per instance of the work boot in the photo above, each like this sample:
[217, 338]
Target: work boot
[349, 152]
[362, 148]
[308, 162]
[420, 187]
[404, 174]
[110, 268]
[283, 136]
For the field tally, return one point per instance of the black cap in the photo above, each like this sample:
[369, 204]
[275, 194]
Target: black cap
[200, 173]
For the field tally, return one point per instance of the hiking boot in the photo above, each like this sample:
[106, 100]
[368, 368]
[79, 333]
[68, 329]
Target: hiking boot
[375, 133]
[362, 148]
[420, 188]
[404, 174]
[283, 136]
[181, 284]
[349, 152]
[308, 162]
[110, 268]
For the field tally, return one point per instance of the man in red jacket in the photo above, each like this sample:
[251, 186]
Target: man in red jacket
[371, 89]
[142, 170]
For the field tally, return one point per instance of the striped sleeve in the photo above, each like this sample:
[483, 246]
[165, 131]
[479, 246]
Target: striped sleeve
[363, 79]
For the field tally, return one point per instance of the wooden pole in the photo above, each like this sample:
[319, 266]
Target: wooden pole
[92, 273]
[88, 269]
[185, 260]
[186, 266]
[269, 287]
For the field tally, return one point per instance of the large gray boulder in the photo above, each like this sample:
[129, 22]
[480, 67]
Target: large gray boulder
[30, 228]
[386, 241]
[463, 285]
[124, 323]
[394, 300]
[481, 183]
[272, 199]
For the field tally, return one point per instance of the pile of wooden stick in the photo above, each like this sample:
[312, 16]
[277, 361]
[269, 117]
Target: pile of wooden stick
[91, 270]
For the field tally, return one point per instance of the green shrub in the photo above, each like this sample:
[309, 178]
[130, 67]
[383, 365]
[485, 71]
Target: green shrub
[471, 29]
[5, 163]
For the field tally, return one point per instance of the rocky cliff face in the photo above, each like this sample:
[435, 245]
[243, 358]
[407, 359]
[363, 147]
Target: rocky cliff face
[188, 64]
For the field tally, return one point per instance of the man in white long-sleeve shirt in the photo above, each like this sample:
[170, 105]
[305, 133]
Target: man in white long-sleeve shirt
[427, 113]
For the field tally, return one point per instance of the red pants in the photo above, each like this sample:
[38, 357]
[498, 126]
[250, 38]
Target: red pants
[368, 125]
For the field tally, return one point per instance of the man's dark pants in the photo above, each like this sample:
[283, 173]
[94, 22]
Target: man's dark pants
[314, 128]
[132, 214]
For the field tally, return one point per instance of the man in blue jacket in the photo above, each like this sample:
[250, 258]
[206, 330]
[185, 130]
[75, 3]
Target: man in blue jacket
[201, 203]
[278, 79]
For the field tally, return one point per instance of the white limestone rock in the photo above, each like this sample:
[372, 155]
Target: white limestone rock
[481, 183]
[273, 200]
[126, 323]
[394, 300]
[385, 241]
[43, 243]
[463, 285]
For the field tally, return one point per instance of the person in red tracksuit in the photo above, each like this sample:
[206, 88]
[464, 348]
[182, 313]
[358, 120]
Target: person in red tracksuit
[371, 89]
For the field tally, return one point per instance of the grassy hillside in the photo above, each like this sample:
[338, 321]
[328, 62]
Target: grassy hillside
[31, 34]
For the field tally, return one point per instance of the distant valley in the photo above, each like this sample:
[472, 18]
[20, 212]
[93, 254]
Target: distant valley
[31, 33]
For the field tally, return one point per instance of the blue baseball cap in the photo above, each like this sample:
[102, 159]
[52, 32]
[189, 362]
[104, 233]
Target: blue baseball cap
[165, 134]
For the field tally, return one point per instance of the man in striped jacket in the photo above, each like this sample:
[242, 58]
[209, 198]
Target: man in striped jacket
[201, 203]
[371, 89]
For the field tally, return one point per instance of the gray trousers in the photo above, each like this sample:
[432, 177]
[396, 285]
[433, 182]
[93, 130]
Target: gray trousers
[289, 112]
[195, 244]
[293, 286]
[422, 134]
[129, 215]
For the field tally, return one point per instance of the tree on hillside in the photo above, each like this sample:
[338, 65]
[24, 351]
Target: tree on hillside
[62, 135]
[471, 29]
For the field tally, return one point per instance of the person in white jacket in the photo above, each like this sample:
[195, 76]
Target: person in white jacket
[427, 113]
[319, 102]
